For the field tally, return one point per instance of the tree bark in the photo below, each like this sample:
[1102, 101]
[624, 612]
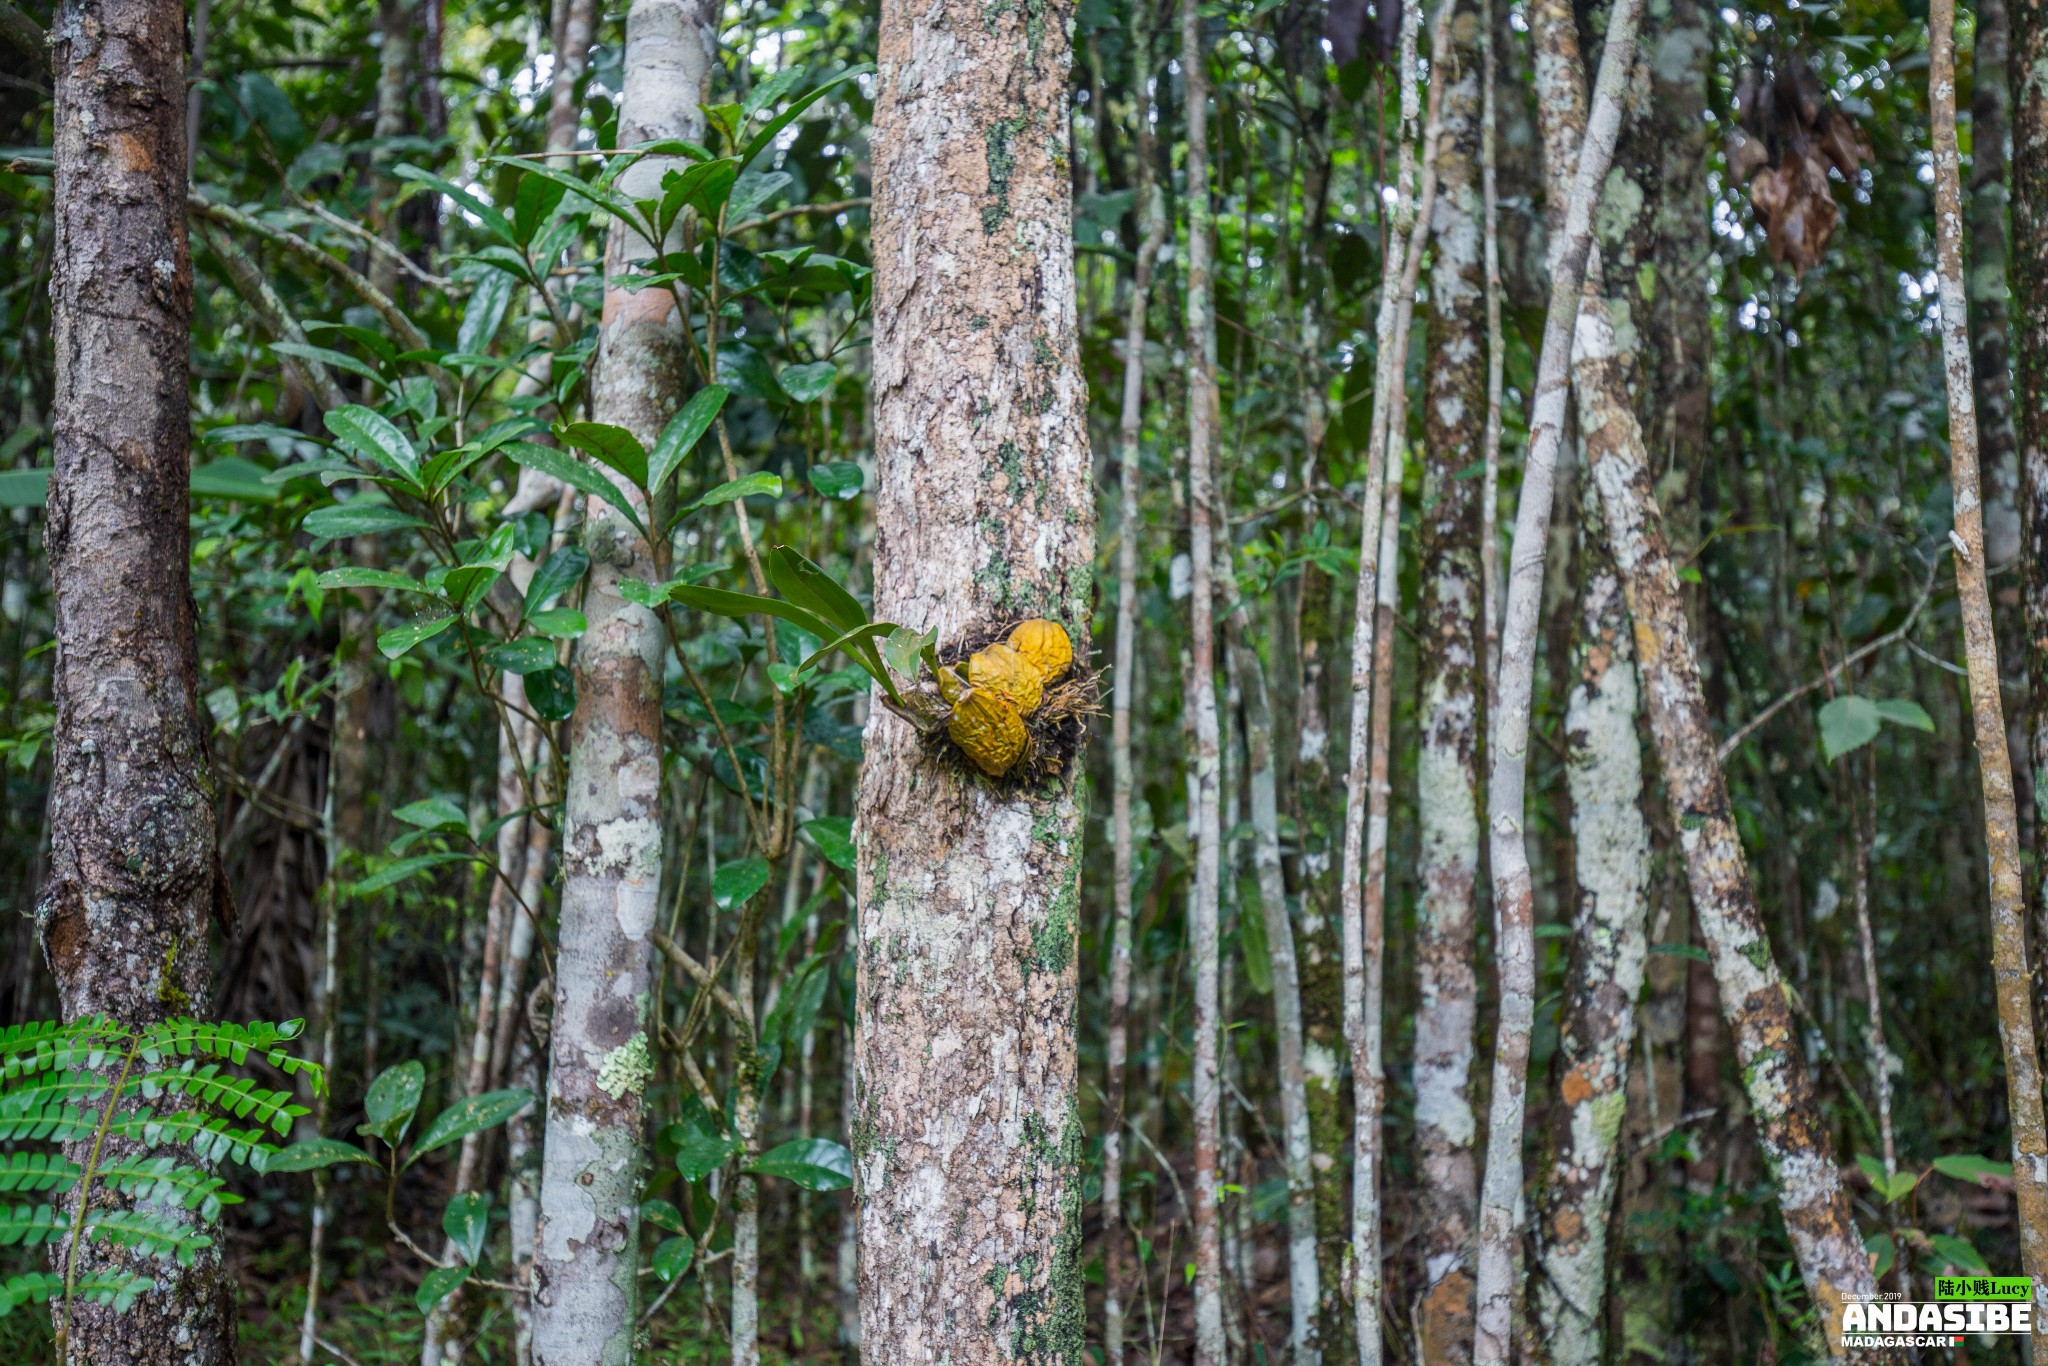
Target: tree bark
[1990, 121]
[966, 1139]
[134, 876]
[2016, 1030]
[1572, 257]
[1457, 421]
[586, 1281]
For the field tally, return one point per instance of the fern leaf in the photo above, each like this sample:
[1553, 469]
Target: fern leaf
[239, 1096]
[30, 1172]
[52, 1124]
[153, 1232]
[184, 1038]
[165, 1180]
[210, 1136]
[118, 1288]
[31, 1226]
[70, 1086]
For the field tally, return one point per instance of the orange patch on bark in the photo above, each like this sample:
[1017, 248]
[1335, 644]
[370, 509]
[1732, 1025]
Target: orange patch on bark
[1576, 1089]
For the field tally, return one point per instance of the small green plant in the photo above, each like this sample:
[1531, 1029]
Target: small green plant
[157, 1092]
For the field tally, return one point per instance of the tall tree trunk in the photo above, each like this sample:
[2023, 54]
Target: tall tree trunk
[1572, 257]
[1129, 526]
[134, 877]
[965, 1132]
[1990, 121]
[586, 1269]
[1456, 422]
[2001, 812]
[1201, 699]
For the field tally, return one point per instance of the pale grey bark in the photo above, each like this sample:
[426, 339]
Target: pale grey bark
[965, 1134]
[586, 1282]
[1513, 893]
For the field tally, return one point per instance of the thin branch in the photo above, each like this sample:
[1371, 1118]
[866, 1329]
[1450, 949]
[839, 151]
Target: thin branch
[298, 246]
[797, 210]
[703, 977]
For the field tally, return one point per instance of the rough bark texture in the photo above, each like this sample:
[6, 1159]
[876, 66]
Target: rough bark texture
[1454, 425]
[1573, 256]
[1611, 845]
[134, 878]
[586, 1283]
[965, 1135]
[2016, 1029]
[1990, 119]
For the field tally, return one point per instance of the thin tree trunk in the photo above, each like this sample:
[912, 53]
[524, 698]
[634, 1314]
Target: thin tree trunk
[1496, 364]
[966, 1136]
[1990, 119]
[2001, 812]
[1513, 892]
[1201, 701]
[134, 876]
[1130, 526]
[1611, 844]
[2030, 302]
[586, 1281]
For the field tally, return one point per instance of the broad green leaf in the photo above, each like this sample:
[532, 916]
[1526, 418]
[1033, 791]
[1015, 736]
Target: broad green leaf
[484, 313]
[1847, 723]
[535, 199]
[808, 383]
[562, 623]
[810, 588]
[751, 191]
[729, 604]
[747, 486]
[471, 1115]
[863, 634]
[1886, 1250]
[552, 693]
[433, 813]
[1970, 1167]
[489, 216]
[575, 474]
[376, 439]
[834, 837]
[735, 883]
[356, 518]
[661, 1214]
[1251, 936]
[389, 1104]
[233, 478]
[1692, 951]
[1900, 711]
[557, 574]
[765, 139]
[466, 1220]
[236, 433]
[683, 432]
[391, 874]
[340, 360]
[357, 576]
[438, 1285]
[672, 1256]
[528, 654]
[24, 488]
[615, 446]
[1958, 1253]
[309, 1154]
[699, 1153]
[841, 479]
[399, 640]
[905, 648]
[816, 1164]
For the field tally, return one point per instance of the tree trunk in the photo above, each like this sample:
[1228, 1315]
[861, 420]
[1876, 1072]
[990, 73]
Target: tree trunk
[965, 1134]
[134, 877]
[1573, 256]
[1990, 119]
[1994, 762]
[1450, 627]
[586, 1269]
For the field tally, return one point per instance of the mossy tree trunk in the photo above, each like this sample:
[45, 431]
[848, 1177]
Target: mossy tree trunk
[965, 1133]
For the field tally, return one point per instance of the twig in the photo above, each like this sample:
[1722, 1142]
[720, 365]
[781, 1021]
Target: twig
[702, 975]
[795, 210]
[339, 1355]
[298, 246]
[1828, 675]
[375, 244]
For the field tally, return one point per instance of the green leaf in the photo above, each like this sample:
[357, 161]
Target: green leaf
[841, 479]
[536, 198]
[812, 589]
[434, 813]
[394, 873]
[683, 432]
[747, 486]
[438, 1285]
[552, 693]
[661, 1214]
[528, 654]
[484, 313]
[557, 574]
[1251, 935]
[1958, 1253]
[765, 139]
[615, 446]
[397, 641]
[735, 883]
[1900, 711]
[561, 623]
[700, 1153]
[233, 478]
[728, 604]
[1970, 1167]
[575, 474]
[375, 439]
[1886, 1250]
[471, 1115]
[1847, 723]
[834, 837]
[389, 1104]
[816, 1164]
[751, 191]
[808, 383]
[357, 576]
[236, 433]
[24, 488]
[490, 217]
[466, 1221]
[340, 360]
[905, 648]
[672, 1256]
[310, 1154]
[1692, 951]
[356, 518]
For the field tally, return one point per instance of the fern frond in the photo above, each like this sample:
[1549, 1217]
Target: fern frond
[70, 1086]
[87, 1044]
[31, 1172]
[118, 1288]
[153, 1232]
[164, 1180]
[51, 1124]
[210, 1136]
[38, 1033]
[185, 1038]
[239, 1096]
[31, 1226]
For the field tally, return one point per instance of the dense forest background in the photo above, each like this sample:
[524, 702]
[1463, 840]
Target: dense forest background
[581, 401]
